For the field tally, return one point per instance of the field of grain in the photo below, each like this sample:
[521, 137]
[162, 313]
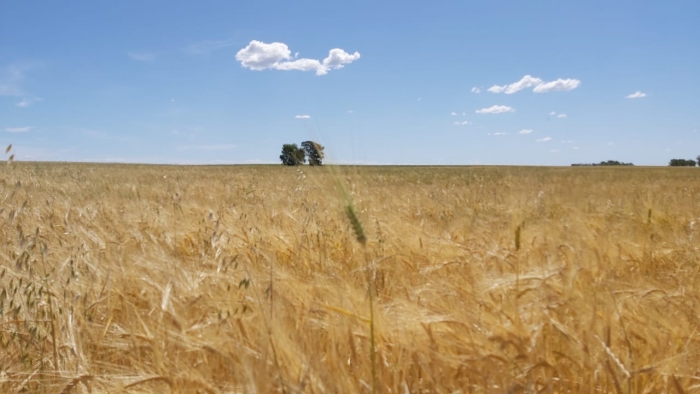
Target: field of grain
[251, 279]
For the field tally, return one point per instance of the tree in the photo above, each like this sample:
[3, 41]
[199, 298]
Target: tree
[681, 163]
[698, 159]
[292, 155]
[314, 151]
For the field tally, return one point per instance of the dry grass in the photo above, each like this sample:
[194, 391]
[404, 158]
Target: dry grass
[121, 278]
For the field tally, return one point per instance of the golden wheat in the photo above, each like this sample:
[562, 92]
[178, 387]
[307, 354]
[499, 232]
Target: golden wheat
[130, 278]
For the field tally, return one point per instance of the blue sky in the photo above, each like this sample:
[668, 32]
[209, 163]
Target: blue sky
[377, 82]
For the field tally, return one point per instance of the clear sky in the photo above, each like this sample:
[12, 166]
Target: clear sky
[540, 82]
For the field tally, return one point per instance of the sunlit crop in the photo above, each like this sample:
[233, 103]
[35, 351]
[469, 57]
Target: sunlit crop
[245, 279]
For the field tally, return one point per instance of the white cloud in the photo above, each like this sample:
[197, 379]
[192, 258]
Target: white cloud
[552, 113]
[215, 147]
[261, 56]
[453, 113]
[18, 129]
[554, 151]
[500, 133]
[545, 139]
[26, 102]
[561, 116]
[11, 79]
[142, 57]
[463, 123]
[525, 131]
[560, 85]
[351, 111]
[476, 90]
[527, 81]
[206, 47]
[496, 109]
[576, 147]
[538, 85]
[302, 117]
[636, 94]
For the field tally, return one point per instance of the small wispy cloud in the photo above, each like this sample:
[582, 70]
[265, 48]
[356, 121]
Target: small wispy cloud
[28, 101]
[552, 113]
[635, 95]
[11, 78]
[18, 129]
[259, 56]
[545, 139]
[142, 56]
[576, 147]
[476, 90]
[496, 109]
[214, 147]
[302, 117]
[554, 151]
[500, 133]
[538, 85]
[463, 123]
[561, 116]
[208, 46]
[525, 131]
[453, 113]
[351, 111]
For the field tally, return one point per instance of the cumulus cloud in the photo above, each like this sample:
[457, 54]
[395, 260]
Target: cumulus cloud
[525, 131]
[527, 81]
[142, 57]
[277, 56]
[538, 85]
[496, 109]
[476, 90]
[636, 94]
[302, 117]
[18, 129]
[545, 139]
[560, 85]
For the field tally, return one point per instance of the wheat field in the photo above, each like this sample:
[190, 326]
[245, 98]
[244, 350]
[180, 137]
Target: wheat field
[253, 279]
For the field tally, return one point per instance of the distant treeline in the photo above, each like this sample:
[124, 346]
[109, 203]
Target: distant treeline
[605, 163]
[682, 162]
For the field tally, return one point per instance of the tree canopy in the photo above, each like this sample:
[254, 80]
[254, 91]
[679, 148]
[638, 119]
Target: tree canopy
[314, 152]
[682, 163]
[606, 163]
[292, 155]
